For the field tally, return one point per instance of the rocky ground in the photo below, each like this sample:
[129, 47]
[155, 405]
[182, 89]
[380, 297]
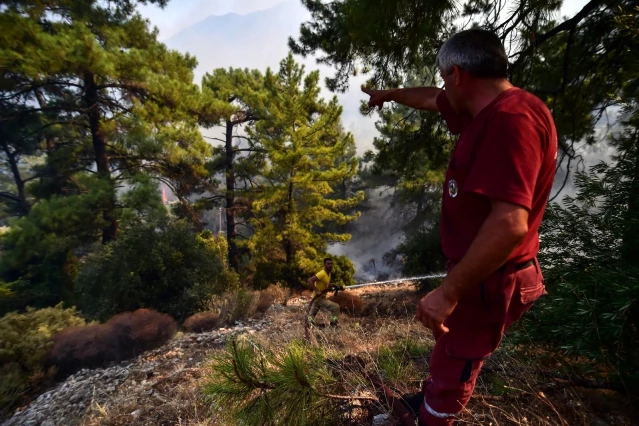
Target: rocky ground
[163, 387]
[90, 396]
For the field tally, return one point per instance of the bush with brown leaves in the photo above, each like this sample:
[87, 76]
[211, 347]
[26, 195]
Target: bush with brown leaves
[145, 328]
[202, 322]
[348, 302]
[124, 336]
[25, 340]
[88, 346]
[264, 302]
[279, 293]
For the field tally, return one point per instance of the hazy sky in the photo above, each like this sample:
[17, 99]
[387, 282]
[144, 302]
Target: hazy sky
[180, 14]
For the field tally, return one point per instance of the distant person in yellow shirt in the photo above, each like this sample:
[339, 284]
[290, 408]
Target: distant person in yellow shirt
[319, 283]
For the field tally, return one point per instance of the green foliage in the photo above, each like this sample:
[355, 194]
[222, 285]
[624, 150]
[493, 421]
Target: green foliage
[91, 103]
[37, 251]
[389, 39]
[343, 271]
[589, 248]
[25, 341]
[169, 268]
[306, 148]
[394, 362]
[254, 386]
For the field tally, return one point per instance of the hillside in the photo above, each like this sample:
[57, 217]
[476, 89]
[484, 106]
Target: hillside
[164, 386]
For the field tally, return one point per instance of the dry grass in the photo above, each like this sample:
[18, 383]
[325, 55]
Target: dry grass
[348, 302]
[279, 293]
[237, 305]
[510, 390]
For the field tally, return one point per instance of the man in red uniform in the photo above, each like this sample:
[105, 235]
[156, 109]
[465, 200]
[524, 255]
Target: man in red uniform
[496, 189]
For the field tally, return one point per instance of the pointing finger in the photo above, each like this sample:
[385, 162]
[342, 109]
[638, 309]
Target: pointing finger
[441, 328]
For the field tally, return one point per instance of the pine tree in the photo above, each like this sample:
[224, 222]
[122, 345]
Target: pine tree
[306, 150]
[240, 157]
[101, 72]
[255, 386]
[105, 108]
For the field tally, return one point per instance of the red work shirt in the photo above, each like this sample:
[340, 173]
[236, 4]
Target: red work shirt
[507, 152]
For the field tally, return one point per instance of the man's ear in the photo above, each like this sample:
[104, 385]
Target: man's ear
[458, 74]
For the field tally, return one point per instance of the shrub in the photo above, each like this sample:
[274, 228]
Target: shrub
[201, 322]
[262, 274]
[591, 270]
[419, 254]
[343, 271]
[171, 269]
[25, 341]
[89, 346]
[348, 302]
[145, 329]
[264, 301]
[235, 305]
[279, 293]
[124, 336]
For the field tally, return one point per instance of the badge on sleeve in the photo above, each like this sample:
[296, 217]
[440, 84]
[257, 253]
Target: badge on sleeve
[452, 188]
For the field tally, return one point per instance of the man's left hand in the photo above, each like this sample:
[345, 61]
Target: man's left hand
[434, 308]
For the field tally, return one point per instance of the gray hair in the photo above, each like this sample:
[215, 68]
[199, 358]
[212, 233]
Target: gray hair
[478, 52]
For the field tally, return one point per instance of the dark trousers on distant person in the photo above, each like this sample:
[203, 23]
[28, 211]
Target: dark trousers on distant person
[476, 326]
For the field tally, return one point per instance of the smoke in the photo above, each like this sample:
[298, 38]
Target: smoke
[375, 233]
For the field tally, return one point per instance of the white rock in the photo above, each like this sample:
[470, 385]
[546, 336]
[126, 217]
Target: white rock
[383, 420]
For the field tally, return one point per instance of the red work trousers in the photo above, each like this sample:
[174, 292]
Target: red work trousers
[476, 327]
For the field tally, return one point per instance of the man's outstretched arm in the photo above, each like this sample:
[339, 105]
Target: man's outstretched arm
[423, 98]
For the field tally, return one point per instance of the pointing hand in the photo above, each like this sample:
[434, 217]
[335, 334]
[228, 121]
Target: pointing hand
[378, 97]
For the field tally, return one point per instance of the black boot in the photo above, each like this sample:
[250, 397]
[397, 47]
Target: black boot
[413, 401]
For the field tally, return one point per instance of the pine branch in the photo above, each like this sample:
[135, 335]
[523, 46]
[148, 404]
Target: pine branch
[568, 25]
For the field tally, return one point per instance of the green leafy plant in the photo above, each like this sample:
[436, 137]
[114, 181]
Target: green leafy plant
[169, 268]
[25, 341]
[394, 361]
[589, 254]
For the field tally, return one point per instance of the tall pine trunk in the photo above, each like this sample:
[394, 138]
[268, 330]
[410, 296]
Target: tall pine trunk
[55, 182]
[288, 244]
[630, 245]
[230, 196]
[110, 231]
